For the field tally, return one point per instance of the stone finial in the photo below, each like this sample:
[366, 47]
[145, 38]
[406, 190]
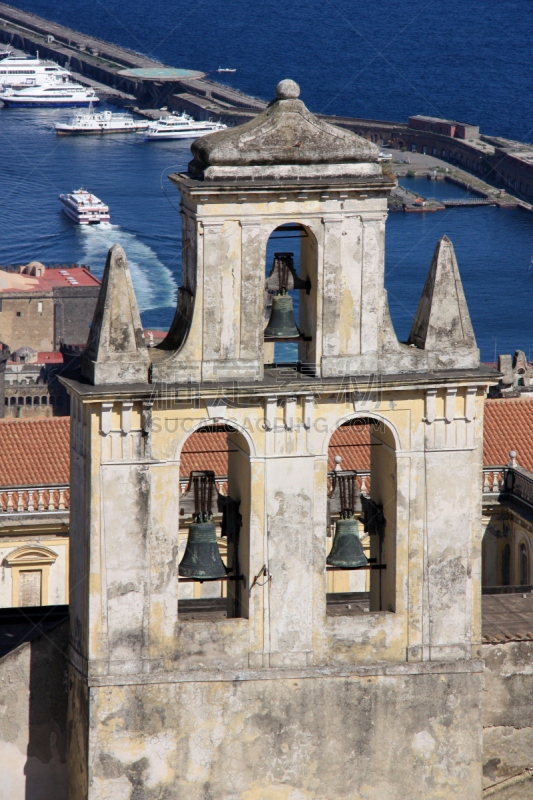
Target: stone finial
[116, 350]
[512, 459]
[287, 90]
[442, 322]
[337, 461]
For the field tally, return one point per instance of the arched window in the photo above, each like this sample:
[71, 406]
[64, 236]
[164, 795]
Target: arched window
[44, 400]
[13, 401]
[30, 567]
[523, 565]
[36, 400]
[443, 153]
[506, 565]
[424, 150]
[291, 256]
[21, 401]
[363, 449]
[225, 451]
[28, 400]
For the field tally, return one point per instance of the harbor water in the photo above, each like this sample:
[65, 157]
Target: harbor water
[335, 55]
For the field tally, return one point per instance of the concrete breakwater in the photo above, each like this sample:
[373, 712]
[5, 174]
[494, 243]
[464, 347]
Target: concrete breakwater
[127, 77]
[141, 83]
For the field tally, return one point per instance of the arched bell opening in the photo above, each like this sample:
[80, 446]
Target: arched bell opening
[361, 519]
[290, 310]
[214, 524]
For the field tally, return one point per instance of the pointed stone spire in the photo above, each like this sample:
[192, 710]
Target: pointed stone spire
[442, 322]
[116, 351]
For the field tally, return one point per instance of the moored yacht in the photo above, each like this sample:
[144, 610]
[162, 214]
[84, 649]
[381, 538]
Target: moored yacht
[50, 95]
[20, 70]
[84, 208]
[181, 127]
[100, 122]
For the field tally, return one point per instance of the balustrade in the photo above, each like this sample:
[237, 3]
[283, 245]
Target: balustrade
[34, 499]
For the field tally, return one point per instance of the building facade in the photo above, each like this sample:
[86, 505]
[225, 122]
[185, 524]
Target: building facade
[46, 307]
[279, 697]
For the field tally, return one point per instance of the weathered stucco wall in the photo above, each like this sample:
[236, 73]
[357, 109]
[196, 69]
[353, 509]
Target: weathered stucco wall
[508, 717]
[33, 719]
[342, 738]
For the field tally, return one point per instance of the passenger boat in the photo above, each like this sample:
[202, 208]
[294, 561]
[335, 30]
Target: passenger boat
[181, 127]
[50, 95]
[19, 70]
[226, 69]
[84, 208]
[101, 122]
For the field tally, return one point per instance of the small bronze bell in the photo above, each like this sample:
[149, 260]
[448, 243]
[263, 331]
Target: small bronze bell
[347, 550]
[282, 324]
[201, 560]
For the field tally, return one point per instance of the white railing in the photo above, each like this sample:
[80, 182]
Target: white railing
[494, 480]
[34, 499]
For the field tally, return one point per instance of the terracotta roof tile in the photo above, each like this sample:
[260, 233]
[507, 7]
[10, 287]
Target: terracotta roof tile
[508, 426]
[352, 444]
[34, 451]
[205, 450]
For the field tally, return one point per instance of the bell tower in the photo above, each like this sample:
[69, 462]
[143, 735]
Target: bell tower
[279, 690]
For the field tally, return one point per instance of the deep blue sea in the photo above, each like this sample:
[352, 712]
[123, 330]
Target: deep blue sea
[470, 61]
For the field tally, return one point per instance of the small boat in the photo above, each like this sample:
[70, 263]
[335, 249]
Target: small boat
[181, 127]
[84, 208]
[50, 95]
[226, 69]
[100, 122]
[20, 70]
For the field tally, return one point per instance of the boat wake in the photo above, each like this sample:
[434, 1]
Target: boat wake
[153, 282]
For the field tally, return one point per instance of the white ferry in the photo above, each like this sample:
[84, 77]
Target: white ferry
[84, 208]
[50, 95]
[181, 127]
[102, 122]
[19, 70]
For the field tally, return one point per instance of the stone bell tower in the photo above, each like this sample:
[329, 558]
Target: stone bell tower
[279, 698]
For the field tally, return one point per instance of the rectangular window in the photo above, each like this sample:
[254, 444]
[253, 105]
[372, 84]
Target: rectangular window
[30, 587]
[39, 308]
[19, 314]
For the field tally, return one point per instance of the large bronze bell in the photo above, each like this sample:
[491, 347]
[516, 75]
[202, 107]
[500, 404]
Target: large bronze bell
[201, 560]
[282, 324]
[347, 550]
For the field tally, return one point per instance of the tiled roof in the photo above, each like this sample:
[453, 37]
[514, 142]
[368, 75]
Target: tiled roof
[205, 450]
[507, 617]
[352, 444]
[508, 426]
[34, 451]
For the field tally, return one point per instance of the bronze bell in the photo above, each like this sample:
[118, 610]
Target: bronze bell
[347, 550]
[282, 324]
[201, 560]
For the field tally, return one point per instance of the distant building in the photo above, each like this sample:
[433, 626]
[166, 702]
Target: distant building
[448, 127]
[31, 388]
[34, 511]
[517, 376]
[45, 307]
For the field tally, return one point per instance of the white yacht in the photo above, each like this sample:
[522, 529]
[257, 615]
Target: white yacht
[20, 70]
[100, 122]
[181, 127]
[84, 208]
[50, 95]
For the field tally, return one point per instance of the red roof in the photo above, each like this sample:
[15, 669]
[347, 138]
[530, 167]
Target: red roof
[205, 450]
[54, 278]
[352, 444]
[34, 451]
[52, 357]
[508, 426]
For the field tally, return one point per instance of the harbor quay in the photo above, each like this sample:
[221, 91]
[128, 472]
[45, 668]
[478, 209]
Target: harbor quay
[144, 84]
